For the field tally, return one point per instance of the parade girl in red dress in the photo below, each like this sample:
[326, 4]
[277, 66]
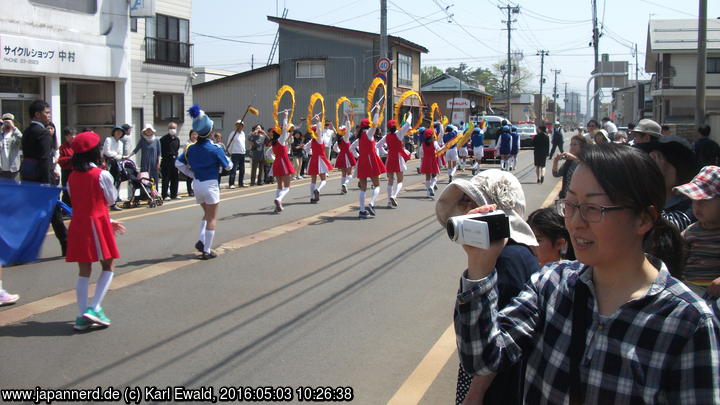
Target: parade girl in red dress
[282, 168]
[429, 164]
[396, 157]
[369, 166]
[91, 236]
[319, 165]
[345, 160]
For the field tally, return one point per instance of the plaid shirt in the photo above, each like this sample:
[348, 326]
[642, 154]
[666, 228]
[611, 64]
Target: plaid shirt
[661, 348]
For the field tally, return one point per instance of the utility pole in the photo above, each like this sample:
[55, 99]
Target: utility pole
[701, 65]
[252, 61]
[514, 10]
[384, 54]
[596, 45]
[565, 102]
[638, 102]
[539, 109]
[555, 95]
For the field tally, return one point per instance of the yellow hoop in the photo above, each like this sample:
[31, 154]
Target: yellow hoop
[403, 97]
[460, 139]
[313, 100]
[337, 115]
[370, 96]
[434, 108]
[276, 104]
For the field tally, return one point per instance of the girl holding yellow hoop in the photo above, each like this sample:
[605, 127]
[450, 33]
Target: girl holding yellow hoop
[282, 168]
[319, 164]
[369, 165]
[345, 160]
[396, 157]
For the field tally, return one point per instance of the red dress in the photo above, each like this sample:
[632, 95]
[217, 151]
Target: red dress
[429, 164]
[369, 163]
[318, 154]
[345, 158]
[90, 237]
[396, 151]
[282, 165]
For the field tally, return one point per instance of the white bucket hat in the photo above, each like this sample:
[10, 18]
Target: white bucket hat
[490, 186]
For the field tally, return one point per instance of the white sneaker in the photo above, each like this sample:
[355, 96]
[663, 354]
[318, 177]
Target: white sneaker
[7, 298]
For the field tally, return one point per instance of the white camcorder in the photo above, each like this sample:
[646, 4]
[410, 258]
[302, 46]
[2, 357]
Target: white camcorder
[478, 230]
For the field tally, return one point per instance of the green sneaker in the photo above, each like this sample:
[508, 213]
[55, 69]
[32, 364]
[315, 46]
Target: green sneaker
[81, 323]
[97, 317]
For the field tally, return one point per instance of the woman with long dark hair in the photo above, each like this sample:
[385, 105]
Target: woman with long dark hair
[577, 145]
[616, 326]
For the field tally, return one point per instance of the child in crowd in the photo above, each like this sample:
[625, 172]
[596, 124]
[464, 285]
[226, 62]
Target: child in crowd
[552, 237]
[702, 268]
[91, 236]
[504, 145]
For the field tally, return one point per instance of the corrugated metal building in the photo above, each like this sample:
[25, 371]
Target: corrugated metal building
[225, 100]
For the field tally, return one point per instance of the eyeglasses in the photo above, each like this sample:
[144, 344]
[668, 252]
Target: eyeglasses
[591, 213]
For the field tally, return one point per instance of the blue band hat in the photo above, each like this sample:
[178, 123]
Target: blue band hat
[201, 122]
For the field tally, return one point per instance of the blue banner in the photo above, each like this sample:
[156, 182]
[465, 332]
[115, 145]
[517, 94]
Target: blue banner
[25, 212]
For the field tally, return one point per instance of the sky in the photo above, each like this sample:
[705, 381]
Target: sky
[453, 31]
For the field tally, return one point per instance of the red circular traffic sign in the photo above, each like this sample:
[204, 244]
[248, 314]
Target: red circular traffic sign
[383, 65]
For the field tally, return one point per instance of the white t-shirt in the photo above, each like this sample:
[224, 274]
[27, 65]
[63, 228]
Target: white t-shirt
[610, 127]
[237, 144]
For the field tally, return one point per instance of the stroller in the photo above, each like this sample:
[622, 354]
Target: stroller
[142, 186]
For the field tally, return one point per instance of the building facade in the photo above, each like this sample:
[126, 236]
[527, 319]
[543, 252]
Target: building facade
[671, 57]
[339, 62]
[74, 55]
[161, 60]
[457, 99]
[225, 100]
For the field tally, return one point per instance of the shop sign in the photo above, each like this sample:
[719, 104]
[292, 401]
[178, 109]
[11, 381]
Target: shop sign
[57, 57]
[458, 103]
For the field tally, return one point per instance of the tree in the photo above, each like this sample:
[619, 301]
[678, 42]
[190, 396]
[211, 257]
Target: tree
[521, 77]
[477, 77]
[428, 73]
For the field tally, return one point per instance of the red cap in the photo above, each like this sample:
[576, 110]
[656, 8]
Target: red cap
[84, 142]
[429, 133]
[365, 123]
[391, 123]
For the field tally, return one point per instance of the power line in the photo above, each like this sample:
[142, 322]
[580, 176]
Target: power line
[230, 39]
[669, 8]
[433, 32]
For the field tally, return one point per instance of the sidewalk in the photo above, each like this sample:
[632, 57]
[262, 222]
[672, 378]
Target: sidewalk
[182, 185]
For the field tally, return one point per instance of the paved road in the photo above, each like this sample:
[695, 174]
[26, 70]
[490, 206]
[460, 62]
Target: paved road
[311, 297]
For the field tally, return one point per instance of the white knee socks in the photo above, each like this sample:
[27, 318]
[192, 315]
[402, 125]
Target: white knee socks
[322, 184]
[361, 200]
[203, 224]
[312, 189]
[390, 190]
[209, 235]
[282, 193]
[101, 288]
[398, 186]
[375, 194]
[81, 294]
[433, 181]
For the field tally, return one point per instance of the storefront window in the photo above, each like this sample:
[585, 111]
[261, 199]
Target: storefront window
[24, 85]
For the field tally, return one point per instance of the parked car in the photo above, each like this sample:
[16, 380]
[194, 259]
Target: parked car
[527, 131]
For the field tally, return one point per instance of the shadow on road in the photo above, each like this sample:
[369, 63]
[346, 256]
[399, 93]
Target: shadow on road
[33, 328]
[252, 348]
[174, 258]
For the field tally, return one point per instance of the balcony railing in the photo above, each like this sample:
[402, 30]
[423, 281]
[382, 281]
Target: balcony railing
[168, 52]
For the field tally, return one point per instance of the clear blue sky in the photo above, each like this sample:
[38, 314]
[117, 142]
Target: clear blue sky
[475, 34]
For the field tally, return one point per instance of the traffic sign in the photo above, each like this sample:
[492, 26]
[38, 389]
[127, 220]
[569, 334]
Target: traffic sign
[383, 65]
[382, 76]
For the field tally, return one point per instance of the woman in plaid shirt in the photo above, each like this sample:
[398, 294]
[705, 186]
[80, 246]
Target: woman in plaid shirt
[646, 338]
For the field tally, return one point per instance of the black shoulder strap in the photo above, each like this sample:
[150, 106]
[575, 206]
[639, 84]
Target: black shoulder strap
[577, 342]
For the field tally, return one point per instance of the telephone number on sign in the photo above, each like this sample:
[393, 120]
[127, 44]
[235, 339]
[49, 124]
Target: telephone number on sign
[279, 394]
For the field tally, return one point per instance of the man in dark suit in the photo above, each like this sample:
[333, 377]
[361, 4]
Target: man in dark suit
[38, 150]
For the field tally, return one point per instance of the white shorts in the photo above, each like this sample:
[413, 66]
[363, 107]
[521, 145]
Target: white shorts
[451, 155]
[462, 152]
[206, 192]
[478, 152]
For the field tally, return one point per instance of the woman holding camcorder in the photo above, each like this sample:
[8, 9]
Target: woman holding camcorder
[615, 326]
